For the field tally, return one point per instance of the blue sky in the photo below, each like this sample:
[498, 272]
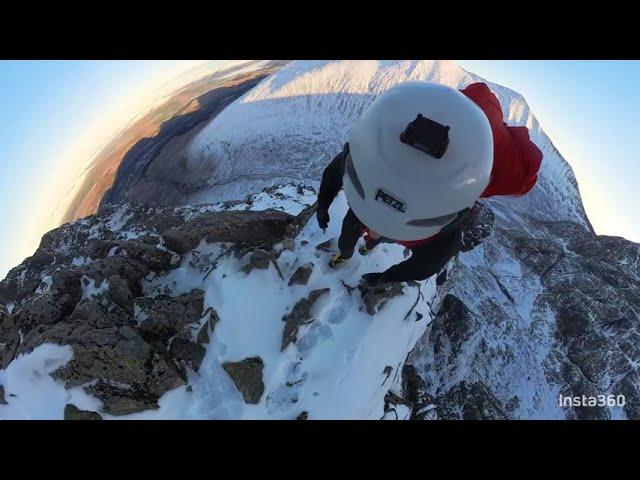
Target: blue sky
[55, 115]
[591, 112]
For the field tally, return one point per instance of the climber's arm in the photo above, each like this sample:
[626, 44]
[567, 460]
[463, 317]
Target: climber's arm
[427, 260]
[332, 179]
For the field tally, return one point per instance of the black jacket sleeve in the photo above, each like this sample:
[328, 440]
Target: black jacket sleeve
[427, 260]
[332, 179]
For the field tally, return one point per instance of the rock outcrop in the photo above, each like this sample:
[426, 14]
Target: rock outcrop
[85, 287]
[71, 412]
[533, 314]
[247, 377]
[300, 315]
[301, 275]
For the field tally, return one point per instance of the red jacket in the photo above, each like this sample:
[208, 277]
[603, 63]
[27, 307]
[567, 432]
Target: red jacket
[516, 159]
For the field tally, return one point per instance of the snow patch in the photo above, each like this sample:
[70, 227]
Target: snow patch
[335, 369]
[89, 288]
[30, 391]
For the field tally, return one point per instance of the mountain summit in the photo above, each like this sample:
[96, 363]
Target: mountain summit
[223, 306]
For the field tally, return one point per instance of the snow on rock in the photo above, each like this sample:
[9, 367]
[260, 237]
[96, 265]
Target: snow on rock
[334, 367]
[501, 342]
[226, 308]
[531, 317]
[224, 341]
[30, 391]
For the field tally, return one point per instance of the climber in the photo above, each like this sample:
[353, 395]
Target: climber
[413, 169]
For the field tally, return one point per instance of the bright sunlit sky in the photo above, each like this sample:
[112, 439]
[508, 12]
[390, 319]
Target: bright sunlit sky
[55, 115]
[591, 112]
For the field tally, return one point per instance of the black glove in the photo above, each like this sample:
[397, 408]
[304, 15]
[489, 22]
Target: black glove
[476, 227]
[372, 279]
[470, 238]
[322, 214]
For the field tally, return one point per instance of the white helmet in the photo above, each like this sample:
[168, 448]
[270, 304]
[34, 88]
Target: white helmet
[420, 154]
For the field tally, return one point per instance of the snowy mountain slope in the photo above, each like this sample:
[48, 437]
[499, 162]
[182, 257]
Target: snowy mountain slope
[543, 307]
[337, 355]
[488, 331]
[531, 317]
[292, 124]
[512, 344]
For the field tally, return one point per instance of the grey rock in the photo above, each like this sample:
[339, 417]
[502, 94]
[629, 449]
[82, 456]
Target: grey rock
[156, 259]
[375, 298]
[231, 203]
[473, 401]
[258, 228]
[125, 365]
[131, 269]
[42, 310]
[9, 340]
[120, 400]
[93, 312]
[585, 292]
[301, 275]
[167, 316]
[120, 293]
[97, 248]
[325, 246]
[416, 392]
[392, 401]
[71, 412]
[3, 401]
[629, 386]
[454, 322]
[66, 287]
[112, 354]
[259, 259]
[22, 280]
[41, 258]
[106, 347]
[247, 377]
[187, 352]
[204, 335]
[299, 315]
[145, 250]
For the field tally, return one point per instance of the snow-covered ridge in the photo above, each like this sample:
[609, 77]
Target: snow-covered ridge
[540, 308]
[343, 362]
[283, 339]
[290, 125]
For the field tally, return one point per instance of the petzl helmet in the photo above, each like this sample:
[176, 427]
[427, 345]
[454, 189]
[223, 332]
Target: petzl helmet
[420, 154]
